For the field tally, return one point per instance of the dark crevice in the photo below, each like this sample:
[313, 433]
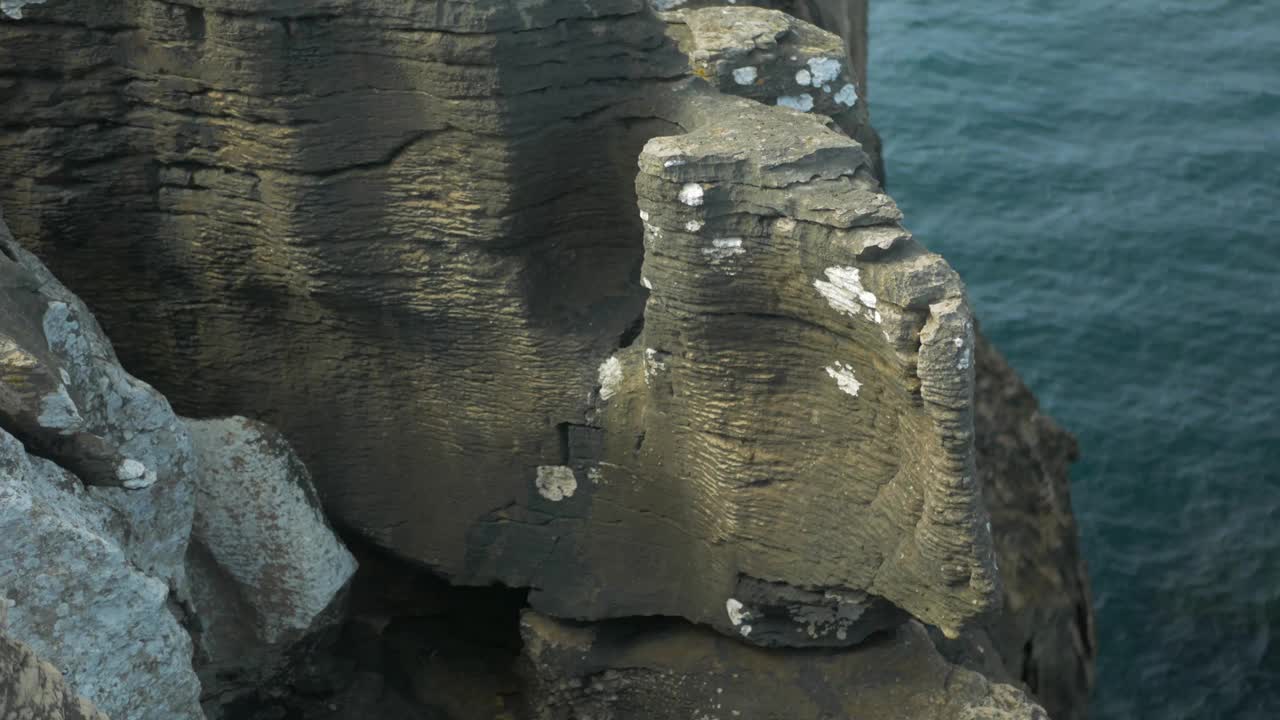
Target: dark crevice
[1030, 672]
[632, 331]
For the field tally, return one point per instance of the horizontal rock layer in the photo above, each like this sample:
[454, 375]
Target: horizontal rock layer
[664, 670]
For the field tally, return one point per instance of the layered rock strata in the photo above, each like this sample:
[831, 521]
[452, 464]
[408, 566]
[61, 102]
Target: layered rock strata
[732, 389]
[626, 669]
[438, 296]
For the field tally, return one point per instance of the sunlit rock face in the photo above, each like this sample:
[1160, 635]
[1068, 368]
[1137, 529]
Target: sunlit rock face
[414, 238]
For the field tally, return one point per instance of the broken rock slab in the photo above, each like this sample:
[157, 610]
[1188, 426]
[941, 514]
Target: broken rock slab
[668, 670]
[105, 573]
[264, 565]
[78, 600]
[66, 397]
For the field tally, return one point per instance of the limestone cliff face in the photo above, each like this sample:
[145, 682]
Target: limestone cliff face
[599, 298]
[410, 237]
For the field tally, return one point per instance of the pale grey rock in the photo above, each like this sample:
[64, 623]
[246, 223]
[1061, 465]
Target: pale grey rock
[78, 600]
[264, 567]
[13, 8]
[264, 564]
[115, 431]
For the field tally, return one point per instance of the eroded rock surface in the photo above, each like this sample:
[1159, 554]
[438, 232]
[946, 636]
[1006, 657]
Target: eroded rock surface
[90, 567]
[78, 600]
[438, 297]
[1045, 632]
[264, 565]
[665, 669]
[733, 389]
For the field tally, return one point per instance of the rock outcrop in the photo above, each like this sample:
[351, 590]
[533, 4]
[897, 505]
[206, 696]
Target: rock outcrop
[627, 669]
[1045, 631]
[440, 302]
[596, 298]
[264, 567]
[101, 488]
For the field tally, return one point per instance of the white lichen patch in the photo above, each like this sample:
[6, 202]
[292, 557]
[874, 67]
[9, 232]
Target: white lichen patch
[66, 378]
[803, 103]
[723, 249]
[823, 70]
[610, 377]
[966, 354]
[134, 475]
[745, 630]
[803, 77]
[653, 364]
[844, 292]
[59, 411]
[644, 282]
[693, 226]
[13, 8]
[691, 194]
[745, 75]
[738, 613]
[644, 216]
[595, 475]
[674, 162]
[848, 95]
[842, 373]
[556, 482]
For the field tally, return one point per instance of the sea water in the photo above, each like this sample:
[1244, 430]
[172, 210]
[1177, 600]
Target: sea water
[1106, 177]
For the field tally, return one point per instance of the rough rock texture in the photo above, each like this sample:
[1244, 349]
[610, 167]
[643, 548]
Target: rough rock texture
[408, 235]
[846, 19]
[32, 689]
[659, 670]
[1045, 633]
[78, 600]
[67, 397]
[95, 565]
[429, 296]
[90, 569]
[771, 57]
[264, 566]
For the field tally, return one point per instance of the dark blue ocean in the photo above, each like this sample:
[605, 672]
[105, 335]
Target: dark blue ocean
[1105, 174]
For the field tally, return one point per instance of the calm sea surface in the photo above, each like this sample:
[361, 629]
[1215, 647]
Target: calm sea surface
[1106, 176]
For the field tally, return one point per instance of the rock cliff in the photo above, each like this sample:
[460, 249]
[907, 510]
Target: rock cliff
[601, 299]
